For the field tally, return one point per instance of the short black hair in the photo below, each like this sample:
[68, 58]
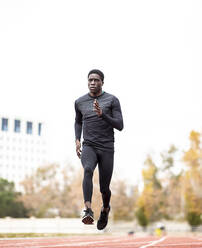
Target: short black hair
[96, 71]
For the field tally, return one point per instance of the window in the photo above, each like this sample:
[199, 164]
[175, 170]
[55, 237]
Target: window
[29, 127]
[39, 129]
[17, 126]
[4, 126]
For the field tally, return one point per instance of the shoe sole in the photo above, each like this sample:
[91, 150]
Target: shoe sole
[88, 220]
[103, 227]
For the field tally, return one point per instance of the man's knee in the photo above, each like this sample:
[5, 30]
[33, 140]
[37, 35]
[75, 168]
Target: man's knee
[105, 190]
[88, 172]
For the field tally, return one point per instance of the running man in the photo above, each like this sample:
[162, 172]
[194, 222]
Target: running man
[97, 114]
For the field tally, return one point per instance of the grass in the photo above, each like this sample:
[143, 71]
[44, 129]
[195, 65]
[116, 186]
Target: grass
[38, 235]
[30, 235]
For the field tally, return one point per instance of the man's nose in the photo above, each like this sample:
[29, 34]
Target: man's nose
[92, 82]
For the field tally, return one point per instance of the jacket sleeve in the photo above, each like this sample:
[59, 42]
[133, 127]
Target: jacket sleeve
[116, 120]
[78, 123]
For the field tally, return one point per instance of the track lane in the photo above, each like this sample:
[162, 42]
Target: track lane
[104, 242]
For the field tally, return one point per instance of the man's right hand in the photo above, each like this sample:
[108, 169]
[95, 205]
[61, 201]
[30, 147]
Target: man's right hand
[78, 148]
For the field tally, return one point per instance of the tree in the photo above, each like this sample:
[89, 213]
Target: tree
[9, 202]
[192, 180]
[194, 220]
[41, 191]
[70, 201]
[142, 218]
[150, 202]
[123, 200]
[172, 184]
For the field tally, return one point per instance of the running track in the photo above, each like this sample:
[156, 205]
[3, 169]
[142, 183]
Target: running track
[103, 242]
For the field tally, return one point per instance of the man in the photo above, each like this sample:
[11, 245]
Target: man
[97, 114]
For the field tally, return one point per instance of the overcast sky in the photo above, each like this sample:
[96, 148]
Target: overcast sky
[150, 53]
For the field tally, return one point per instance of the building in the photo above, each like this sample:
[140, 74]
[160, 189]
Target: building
[22, 148]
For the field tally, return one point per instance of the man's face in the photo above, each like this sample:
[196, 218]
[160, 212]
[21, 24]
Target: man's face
[94, 83]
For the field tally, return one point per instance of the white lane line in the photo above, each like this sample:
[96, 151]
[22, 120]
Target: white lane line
[153, 242]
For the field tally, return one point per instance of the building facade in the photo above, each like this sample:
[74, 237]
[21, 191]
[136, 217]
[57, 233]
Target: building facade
[22, 148]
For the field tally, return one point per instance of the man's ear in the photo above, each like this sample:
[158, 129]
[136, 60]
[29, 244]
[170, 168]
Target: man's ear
[102, 83]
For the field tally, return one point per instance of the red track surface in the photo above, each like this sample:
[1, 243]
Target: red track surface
[103, 242]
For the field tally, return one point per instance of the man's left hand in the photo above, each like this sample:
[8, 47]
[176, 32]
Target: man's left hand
[96, 107]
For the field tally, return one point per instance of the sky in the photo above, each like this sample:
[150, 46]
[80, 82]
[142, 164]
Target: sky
[149, 51]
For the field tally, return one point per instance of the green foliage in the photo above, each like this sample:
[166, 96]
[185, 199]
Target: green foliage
[194, 219]
[9, 204]
[168, 161]
[141, 217]
[150, 173]
[192, 185]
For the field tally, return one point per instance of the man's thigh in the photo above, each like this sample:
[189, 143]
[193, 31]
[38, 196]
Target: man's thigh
[88, 157]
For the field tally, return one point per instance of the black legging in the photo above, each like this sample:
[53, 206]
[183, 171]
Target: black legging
[90, 157]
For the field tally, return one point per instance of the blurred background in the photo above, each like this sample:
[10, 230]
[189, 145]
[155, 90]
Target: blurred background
[151, 55]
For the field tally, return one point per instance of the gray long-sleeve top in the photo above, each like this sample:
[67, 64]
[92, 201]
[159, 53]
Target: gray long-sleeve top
[98, 131]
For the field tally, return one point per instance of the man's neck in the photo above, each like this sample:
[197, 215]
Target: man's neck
[96, 94]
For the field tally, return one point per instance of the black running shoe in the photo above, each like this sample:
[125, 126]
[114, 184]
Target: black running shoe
[103, 220]
[88, 217]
